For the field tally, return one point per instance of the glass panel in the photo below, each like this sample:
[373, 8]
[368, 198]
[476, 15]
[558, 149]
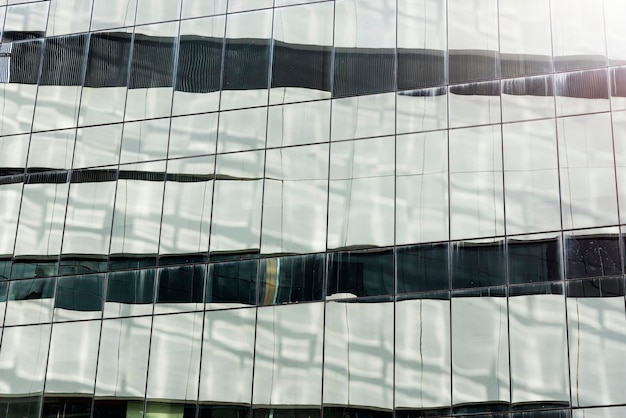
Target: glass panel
[525, 38]
[246, 59]
[89, 214]
[236, 219]
[581, 92]
[62, 74]
[422, 354]
[421, 43]
[477, 263]
[117, 408]
[180, 289]
[26, 21]
[97, 146]
[476, 203]
[614, 15]
[288, 353]
[357, 273]
[619, 143]
[294, 203]
[618, 88]
[421, 110]
[359, 117]
[137, 216]
[535, 258]
[241, 5]
[364, 58]
[531, 177]
[302, 58]
[527, 98]
[587, 171]
[23, 361]
[193, 135]
[227, 362]
[593, 253]
[361, 193]
[480, 369]
[149, 11]
[538, 339]
[10, 197]
[613, 412]
[13, 153]
[291, 279]
[79, 297]
[422, 187]
[123, 358]
[175, 357]
[575, 46]
[198, 78]
[66, 407]
[597, 341]
[299, 123]
[73, 357]
[358, 355]
[151, 79]
[30, 301]
[144, 141]
[112, 13]
[104, 93]
[129, 293]
[68, 16]
[474, 104]
[232, 284]
[472, 40]
[197, 8]
[422, 268]
[51, 150]
[242, 129]
[187, 208]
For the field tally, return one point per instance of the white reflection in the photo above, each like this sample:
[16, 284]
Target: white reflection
[242, 129]
[29, 311]
[294, 203]
[525, 27]
[9, 209]
[476, 195]
[363, 116]
[421, 110]
[531, 177]
[17, 104]
[27, 18]
[51, 149]
[149, 11]
[611, 412]
[97, 146]
[41, 220]
[422, 188]
[538, 348]
[197, 8]
[228, 351]
[123, 358]
[357, 20]
[299, 123]
[242, 5]
[13, 150]
[175, 357]
[422, 356]
[473, 24]
[358, 354]
[422, 24]
[361, 193]
[480, 370]
[112, 14]
[72, 360]
[144, 103]
[288, 355]
[614, 18]
[102, 105]
[619, 143]
[193, 135]
[23, 359]
[587, 171]
[472, 104]
[597, 346]
[68, 16]
[57, 107]
[520, 101]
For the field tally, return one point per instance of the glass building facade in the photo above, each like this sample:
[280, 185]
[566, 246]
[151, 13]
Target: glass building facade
[312, 209]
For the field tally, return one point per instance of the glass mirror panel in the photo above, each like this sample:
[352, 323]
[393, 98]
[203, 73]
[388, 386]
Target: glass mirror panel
[363, 116]
[97, 146]
[361, 200]
[23, 358]
[73, 357]
[79, 297]
[30, 301]
[614, 15]
[197, 8]
[236, 219]
[592, 253]
[10, 197]
[527, 98]
[421, 110]
[298, 123]
[26, 21]
[180, 289]
[13, 153]
[242, 5]
[193, 135]
[422, 353]
[535, 258]
[241, 130]
[619, 143]
[474, 104]
[51, 150]
[531, 177]
[187, 207]
[613, 412]
[477, 263]
[291, 279]
[359, 273]
[198, 81]
[226, 361]
[476, 195]
[149, 11]
[144, 141]
[581, 92]
[173, 371]
[294, 202]
[302, 56]
[129, 293]
[109, 14]
[358, 355]
[68, 16]
[288, 352]
[422, 187]
[587, 171]
[232, 284]
[422, 268]
[123, 358]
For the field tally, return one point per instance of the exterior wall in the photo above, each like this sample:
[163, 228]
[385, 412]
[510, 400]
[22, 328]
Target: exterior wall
[337, 208]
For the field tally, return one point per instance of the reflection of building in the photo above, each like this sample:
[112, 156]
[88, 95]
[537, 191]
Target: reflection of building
[296, 208]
